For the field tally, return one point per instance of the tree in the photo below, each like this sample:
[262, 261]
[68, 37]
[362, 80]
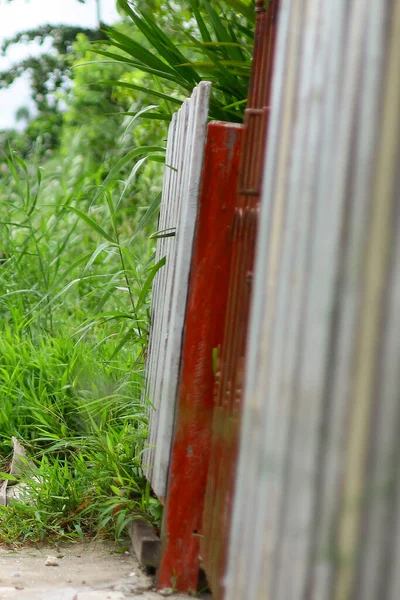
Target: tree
[92, 114]
[23, 114]
[49, 72]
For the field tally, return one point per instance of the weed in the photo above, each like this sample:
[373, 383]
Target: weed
[74, 307]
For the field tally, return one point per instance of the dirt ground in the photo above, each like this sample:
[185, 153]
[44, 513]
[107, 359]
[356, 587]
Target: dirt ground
[84, 571]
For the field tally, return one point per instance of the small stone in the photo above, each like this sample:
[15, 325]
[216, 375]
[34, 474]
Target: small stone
[15, 574]
[19, 587]
[133, 574]
[144, 587]
[127, 553]
[166, 592]
[51, 561]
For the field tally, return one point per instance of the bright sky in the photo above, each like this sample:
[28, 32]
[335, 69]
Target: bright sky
[20, 15]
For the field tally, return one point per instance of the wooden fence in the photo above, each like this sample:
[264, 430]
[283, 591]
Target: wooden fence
[316, 512]
[178, 212]
[294, 454]
[193, 438]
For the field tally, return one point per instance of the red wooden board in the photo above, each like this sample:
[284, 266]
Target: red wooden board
[204, 330]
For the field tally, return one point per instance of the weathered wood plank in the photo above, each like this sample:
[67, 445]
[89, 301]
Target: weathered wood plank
[145, 543]
[185, 147]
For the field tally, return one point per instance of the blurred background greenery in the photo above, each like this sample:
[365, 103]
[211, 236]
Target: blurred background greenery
[80, 183]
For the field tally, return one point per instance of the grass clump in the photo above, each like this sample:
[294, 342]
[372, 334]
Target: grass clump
[75, 277]
[84, 425]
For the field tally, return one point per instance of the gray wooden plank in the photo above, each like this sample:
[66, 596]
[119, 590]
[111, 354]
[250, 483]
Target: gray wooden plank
[185, 147]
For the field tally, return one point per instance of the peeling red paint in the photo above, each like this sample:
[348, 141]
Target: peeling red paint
[230, 380]
[205, 319]
[208, 408]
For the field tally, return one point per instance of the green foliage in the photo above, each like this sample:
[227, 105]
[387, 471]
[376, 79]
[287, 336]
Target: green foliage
[217, 46]
[75, 276]
[49, 72]
[50, 80]
[77, 251]
[84, 427]
[92, 113]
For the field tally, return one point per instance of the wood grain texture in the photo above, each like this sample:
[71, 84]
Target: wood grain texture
[179, 203]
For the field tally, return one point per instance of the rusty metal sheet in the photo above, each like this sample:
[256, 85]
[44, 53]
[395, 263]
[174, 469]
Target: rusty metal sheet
[230, 376]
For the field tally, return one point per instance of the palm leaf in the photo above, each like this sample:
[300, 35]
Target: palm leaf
[143, 89]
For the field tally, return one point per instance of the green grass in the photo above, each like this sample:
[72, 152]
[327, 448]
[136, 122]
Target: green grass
[81, 419]
[75, 278]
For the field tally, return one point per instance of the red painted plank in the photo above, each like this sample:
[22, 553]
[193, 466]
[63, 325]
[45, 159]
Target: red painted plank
[204, 329]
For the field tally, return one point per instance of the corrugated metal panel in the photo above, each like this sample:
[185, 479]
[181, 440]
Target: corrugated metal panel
[229, 379]
[184, 158]
[316, 512]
